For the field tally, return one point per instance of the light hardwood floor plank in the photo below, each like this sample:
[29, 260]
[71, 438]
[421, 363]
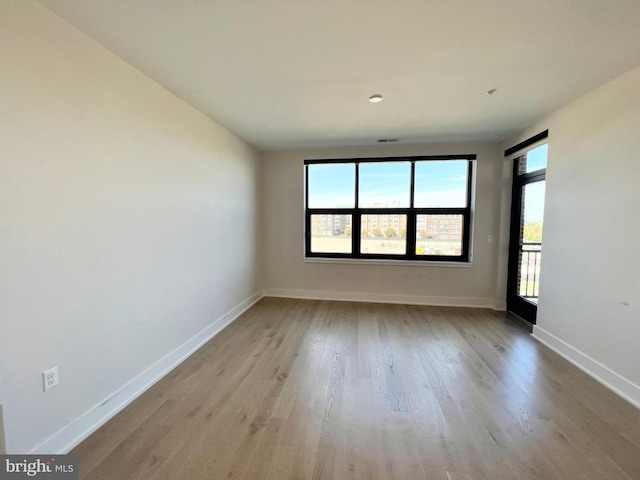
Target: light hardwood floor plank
[308, 389]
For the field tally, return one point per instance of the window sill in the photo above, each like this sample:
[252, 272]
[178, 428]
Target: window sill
[376, 261]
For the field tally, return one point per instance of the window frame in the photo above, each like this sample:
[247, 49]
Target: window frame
[411, 212]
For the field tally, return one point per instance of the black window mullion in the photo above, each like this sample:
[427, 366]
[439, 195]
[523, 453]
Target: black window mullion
[413, 185]
[306, 187]
[307, 218]
[356, 230]
[469, 185]
[532, 177]
[466, 235]
[411, 235]
[466, 219]
[307, 234]
[356, 202]
[356, 219]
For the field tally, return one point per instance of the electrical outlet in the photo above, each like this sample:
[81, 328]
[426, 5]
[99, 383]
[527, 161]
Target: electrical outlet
[425, 276]
[50, 378]
[490, 239]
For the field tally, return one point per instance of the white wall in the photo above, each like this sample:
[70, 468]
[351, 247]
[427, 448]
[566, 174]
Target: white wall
[127, 228]
[287, 274]
[590, 280]
[2, 445]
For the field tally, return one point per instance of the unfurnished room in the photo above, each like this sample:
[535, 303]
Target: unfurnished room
[304, 239]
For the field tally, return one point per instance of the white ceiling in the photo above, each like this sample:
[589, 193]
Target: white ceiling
[297, 73]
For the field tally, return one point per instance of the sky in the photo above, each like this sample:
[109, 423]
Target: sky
[438, 184]
[534, 202]
[534, 192]
[537, 158]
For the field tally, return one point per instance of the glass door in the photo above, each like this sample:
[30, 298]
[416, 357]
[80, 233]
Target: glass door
[525, 247]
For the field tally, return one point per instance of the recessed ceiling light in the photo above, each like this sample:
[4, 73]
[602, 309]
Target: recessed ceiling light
[492, 91]
[375, 98]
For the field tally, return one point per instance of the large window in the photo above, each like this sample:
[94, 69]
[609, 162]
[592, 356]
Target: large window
[409, 208]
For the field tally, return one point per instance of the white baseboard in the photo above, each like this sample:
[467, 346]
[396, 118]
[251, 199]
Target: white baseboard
[603, 374]
[79, 429]
[500, 305]
[380, 298]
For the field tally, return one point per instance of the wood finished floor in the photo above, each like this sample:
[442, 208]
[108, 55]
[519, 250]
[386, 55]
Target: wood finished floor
[319, 390]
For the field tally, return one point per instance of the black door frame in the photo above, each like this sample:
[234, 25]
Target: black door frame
[517, 305]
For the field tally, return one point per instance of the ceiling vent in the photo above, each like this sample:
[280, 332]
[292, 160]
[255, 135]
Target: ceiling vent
[387, 140]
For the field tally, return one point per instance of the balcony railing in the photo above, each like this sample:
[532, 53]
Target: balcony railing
[529, 274]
